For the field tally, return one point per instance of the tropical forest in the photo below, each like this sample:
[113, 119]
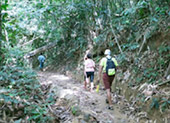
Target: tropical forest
[84, 61]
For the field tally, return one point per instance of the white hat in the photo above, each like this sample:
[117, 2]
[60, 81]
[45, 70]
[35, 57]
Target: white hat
[107, 52]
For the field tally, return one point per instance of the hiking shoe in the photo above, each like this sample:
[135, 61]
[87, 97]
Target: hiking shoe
[110, 107]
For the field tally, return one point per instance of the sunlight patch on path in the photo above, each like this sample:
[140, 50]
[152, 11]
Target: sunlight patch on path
[66, 92]
[59, 77]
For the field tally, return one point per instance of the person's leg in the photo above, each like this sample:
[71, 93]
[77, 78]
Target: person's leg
[88, 82]
[88, 79]
[85, 83]
[92, 86]
[40, 65]
[107, 85]
[91, 80]
[109, 96]
[109, 92]
[110, 82]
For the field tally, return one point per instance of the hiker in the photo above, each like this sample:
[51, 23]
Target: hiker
[85, 58]
[41, 60]
[89, 66]
[108, 68]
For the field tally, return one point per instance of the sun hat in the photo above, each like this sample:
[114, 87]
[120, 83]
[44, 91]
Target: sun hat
[107, 52]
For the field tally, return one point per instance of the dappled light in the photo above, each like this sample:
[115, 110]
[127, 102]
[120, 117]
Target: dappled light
[60, 77]
[84, 61]
[66, 92]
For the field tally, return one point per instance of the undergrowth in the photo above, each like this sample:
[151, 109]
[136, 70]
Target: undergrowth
[21, 97]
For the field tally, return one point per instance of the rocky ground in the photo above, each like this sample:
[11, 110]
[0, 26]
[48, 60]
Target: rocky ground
[74, 104]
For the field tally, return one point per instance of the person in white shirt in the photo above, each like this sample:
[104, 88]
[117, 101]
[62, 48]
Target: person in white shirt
[89, 70]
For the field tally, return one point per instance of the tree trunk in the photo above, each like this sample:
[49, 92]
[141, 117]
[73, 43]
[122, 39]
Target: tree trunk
[41, 49]
[0, 35]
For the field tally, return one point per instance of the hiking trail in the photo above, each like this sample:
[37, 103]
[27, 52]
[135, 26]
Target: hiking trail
[87, 106]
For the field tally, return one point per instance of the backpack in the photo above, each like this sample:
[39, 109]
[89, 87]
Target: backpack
[110, 67]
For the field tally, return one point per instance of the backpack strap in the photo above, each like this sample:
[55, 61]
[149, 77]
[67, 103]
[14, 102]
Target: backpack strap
[108, 58]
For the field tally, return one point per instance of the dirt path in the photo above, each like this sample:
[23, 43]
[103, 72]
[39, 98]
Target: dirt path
[89, 106]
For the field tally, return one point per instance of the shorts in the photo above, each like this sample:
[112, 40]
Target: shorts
[91, 75]
[107, 80]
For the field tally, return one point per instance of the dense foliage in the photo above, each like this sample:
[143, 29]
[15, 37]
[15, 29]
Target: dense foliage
[76, 24]
[125, 26]
[21, 95]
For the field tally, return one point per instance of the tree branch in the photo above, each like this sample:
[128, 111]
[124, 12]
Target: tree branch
[117, 42]
[6, 35]
[167, 81]
[29, 42]
[144, 40]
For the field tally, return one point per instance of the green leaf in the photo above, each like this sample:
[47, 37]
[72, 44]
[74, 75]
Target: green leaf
[157, 9]
[34, 117]
[4, 6]
[155, 103]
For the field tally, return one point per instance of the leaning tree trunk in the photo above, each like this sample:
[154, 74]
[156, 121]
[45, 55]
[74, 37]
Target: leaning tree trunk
[41, 49]
[0, 35]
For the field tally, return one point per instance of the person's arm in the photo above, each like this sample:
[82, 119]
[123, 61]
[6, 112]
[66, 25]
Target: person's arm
[84, 71]
[94, 65]
[100, 72]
